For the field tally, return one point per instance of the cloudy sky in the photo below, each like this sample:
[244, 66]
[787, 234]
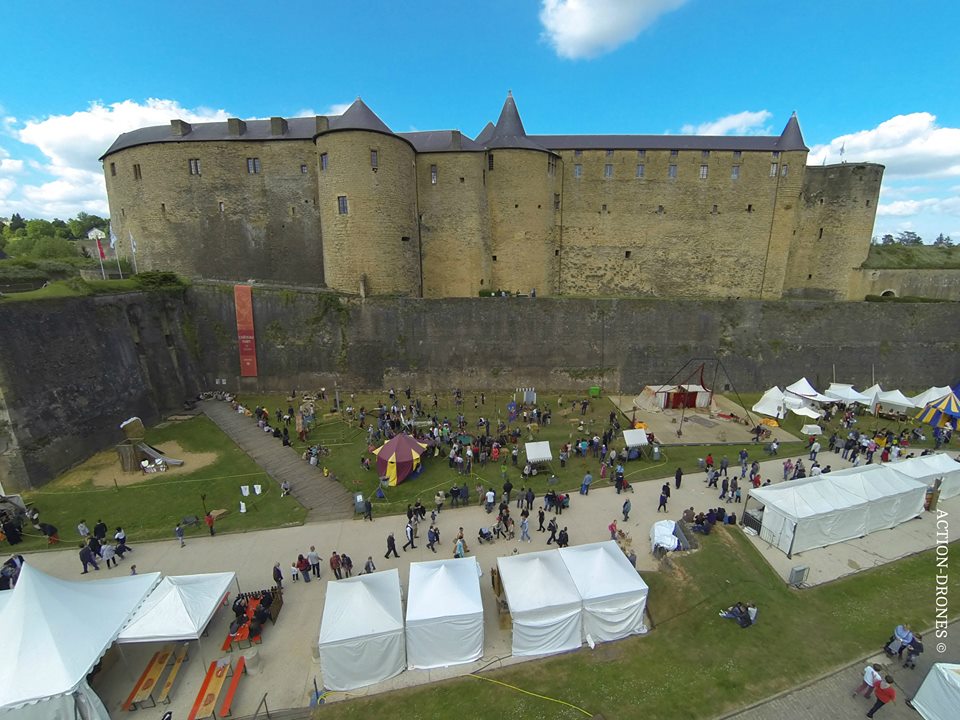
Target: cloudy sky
[876, 80]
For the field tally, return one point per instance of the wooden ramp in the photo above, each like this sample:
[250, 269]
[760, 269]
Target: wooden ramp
[325, 499]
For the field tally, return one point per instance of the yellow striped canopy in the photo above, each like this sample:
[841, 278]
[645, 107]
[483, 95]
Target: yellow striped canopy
[941, 413]
[398, 458]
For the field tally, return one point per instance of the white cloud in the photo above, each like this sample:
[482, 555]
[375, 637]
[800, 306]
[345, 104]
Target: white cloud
[587, 28]
[337, 109]
[908, 145]
[305, 112]
[906, 208]
[742, 123]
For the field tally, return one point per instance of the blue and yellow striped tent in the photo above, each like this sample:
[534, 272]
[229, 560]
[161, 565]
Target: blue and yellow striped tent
[941, 413]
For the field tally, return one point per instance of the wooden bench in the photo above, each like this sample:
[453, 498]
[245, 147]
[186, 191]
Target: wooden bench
[145, 686]
[205, 704]
[180, 658]
[238, 672]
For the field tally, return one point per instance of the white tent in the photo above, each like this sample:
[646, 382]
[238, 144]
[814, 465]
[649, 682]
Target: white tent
[635, 438]
[54, 631]
[842, 505]
[772, 404]
[871, 394]
[928, 468]
[930, 395]
[538, 451]
[846, 394]
[704, 396]
[544, 603]
[179, 608]
[799, 407]
[803, 389]
[939, 696]
[653, 397]
[361, 633]
[892, 401]
[811, 430]
[614, 595]
[444, 613]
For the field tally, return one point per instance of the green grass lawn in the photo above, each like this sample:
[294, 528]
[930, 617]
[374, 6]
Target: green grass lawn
[912, 257]
[693, 664]
[149, 509]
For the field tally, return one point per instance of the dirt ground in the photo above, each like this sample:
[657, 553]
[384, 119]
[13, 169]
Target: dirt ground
[103, 469]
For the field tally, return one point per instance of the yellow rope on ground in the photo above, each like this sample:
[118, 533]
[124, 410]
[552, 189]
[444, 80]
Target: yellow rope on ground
[527, 692]
[141, 485]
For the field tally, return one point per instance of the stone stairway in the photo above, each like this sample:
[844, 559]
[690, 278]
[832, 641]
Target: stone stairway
[324, 499]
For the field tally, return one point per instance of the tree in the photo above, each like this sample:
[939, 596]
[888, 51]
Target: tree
[16, 222]
[908, 237]
[887, 239]
[943, 241]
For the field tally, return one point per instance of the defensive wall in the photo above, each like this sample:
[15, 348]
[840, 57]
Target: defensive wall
[938, 284]
[73, 369]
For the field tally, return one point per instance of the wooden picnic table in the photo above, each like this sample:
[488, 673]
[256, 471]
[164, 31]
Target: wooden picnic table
[217, 674]
[243, 634]
[147, 683]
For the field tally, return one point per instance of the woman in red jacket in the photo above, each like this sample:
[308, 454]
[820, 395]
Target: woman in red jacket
[885, 694]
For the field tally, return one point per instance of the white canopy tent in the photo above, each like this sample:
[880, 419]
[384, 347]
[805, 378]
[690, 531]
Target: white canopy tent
[544, 603]
[803, 389]
[361, 633]
[54, 631]
[811, 430]
[538, 451]
[871, 394]
[846, 394]
[929, 468]
[635, 438]
[930, 395]
[799, 407]
[614, 595]
[179, 608]
[653, 397]
[939, 696]
[772, 404]
[892, 401]
[844, 504]
[704, 396]
[444, 613]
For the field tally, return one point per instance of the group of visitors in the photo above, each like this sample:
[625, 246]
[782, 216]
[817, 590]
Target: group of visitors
[94, 545]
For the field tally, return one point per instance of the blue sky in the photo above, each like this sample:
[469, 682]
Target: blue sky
[876, 78]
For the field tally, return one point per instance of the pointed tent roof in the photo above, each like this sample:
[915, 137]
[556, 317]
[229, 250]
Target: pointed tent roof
[930, 395]
[601, 570]
[791, 138]
[179, 608]
[359, 117]
[362, 606]
[443, 589]
[56, 630]
[509, 132]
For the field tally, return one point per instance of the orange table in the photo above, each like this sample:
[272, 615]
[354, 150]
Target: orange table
[243, 634]
[147, 683]
[206, 701]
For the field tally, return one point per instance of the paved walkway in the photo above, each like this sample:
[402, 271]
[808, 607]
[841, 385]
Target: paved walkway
[325, 499]
[830, 697]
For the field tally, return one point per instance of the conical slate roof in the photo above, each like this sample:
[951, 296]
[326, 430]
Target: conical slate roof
[791, 138]
[509, 132]
[359, 117]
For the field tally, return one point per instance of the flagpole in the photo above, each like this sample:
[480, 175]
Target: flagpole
[119, 269]
[100, 256]
[113, 246]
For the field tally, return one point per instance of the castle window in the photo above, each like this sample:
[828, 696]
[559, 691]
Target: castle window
[714, 211]
[556, 201]
[608, 170]
[775, 154]
[324, 159]
[640, 170]
[749, 208]
[494, 258]
[374, 159]
[783, 170]
[578, 171]
[433, 175]
[735, 172]
[820, 235]
[551, 165]
[137, 175]
[342, 206]
[163, 207]
[704, 169]
[737, 155]
[405, 238]
[490, 161]
[556, 253]
[220, 206]
[641, 154]
[123, 213]
[603, 208]
[660, 210]
[113, 169]
[674, 153]
[253, 166]
[671, 171]
[868, 203]
[304, 170]
[577, 153]
[609, 153]
[773, 169]
[194, 165]
[626, 254]
[704, 154]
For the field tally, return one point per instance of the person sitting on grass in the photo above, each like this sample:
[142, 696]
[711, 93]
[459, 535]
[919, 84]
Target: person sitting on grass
[745, 615]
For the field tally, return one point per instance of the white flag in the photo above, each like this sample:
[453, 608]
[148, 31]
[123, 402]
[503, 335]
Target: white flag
[113, 239]
[133, 243]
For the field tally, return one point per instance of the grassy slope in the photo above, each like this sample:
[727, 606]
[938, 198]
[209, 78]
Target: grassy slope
[150, 509]
[912, 257]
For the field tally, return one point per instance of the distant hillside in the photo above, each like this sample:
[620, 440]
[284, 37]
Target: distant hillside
[891, 257]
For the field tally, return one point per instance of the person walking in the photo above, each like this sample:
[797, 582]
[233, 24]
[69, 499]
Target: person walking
[408, 530]
[335, 565]
[368, 510]
[585, 485]
[391, 546]
[178, 531]
[612, 528]
[885, 694]
[540, 515]
[677, 477]
[278, 576]
[208, 519]
[525, 529]
[663, 503]
[368, 566]
[626, 509]
[313, 557]
[871, 678]
[87, 558]
[814, 449]
[121, 537]
[83, 530]
[432, 538]
[563, 539]
[347, 564]
[724, 488]
[552, 527]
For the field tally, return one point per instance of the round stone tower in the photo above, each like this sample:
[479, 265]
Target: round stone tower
[367, 193]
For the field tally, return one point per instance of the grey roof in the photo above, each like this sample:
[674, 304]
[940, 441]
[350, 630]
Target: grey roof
[509, 132]
[441, 141]
[656, 142]
[359, 117]
[486, 133]
[791, 138]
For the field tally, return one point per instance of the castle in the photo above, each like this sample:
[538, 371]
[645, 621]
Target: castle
[344, 202]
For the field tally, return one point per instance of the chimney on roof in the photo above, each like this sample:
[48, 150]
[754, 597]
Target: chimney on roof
[236, 127]
[278, 126]
[180, 128]
[456, 140]
[323, 123]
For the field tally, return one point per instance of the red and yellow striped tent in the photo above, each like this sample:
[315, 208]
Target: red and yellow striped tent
[398, 458]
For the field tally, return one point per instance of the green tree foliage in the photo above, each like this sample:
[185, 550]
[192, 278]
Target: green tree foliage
[38, 238]
[908, 237]
[888, 239]
[16, 222]
[943, 241]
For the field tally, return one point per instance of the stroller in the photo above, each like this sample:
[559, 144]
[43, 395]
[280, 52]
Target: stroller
[485, 534]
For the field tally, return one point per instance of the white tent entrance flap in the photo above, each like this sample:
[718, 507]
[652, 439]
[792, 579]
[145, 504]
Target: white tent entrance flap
[845, 504]
[361, 633]
[939, 696]
[444, 613]
[614, 595]
[538, 452]
[179, 608]
[544, 603]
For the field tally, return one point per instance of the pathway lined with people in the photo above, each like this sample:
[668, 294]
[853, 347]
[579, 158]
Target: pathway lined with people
[324, 498]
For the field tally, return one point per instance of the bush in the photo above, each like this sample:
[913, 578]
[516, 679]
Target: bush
[156, 279]
[904, 299]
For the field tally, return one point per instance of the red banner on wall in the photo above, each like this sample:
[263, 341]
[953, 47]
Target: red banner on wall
[246, 338]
